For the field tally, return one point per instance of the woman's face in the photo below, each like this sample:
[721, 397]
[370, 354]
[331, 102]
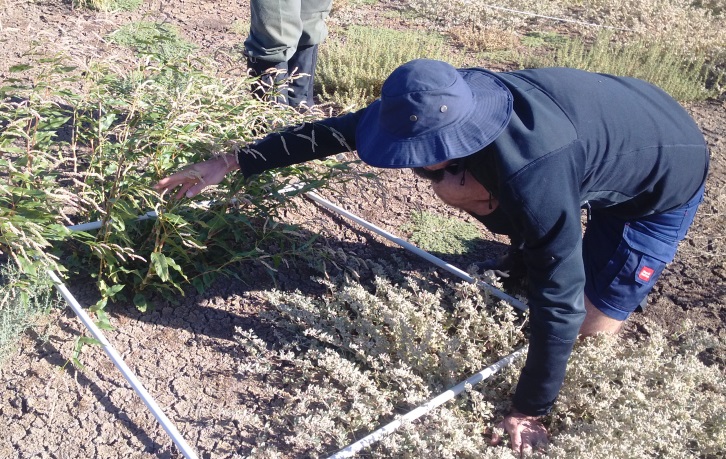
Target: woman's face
[454, 185]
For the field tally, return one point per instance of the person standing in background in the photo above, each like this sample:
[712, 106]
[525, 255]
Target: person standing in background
[283, 41]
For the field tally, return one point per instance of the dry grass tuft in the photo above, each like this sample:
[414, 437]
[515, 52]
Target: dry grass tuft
[476, 37]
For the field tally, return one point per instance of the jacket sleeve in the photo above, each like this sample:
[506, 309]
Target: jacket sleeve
[298, 144]
[543, 202]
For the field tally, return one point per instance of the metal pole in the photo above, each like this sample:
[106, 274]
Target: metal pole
[439, 400]
[420, 252]
[185, 449]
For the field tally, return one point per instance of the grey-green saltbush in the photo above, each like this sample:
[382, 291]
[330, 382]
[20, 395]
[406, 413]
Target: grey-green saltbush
[22, 301]
[350, 361]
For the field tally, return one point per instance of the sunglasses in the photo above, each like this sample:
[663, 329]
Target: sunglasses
[453, 168]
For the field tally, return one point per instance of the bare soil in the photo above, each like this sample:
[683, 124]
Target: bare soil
[186, 354]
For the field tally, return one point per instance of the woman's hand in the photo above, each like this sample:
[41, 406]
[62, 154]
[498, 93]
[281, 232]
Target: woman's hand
[193, 179]
[526, 432]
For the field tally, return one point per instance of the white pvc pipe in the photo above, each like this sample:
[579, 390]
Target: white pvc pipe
[439, 400]
[403, 243]
[352, 449]
[170, 429]
[420, 252]
[97, 224]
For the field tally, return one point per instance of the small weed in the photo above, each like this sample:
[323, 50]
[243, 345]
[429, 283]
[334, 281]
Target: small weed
[22, 299]
[434, 233]
[715, 7]
[108, 5]
[162, 41]
[241, 28]
[343, 5]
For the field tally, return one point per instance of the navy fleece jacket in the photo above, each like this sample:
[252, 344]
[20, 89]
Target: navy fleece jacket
[576, 138]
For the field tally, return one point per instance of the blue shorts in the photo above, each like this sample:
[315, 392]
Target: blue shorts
[623, 258]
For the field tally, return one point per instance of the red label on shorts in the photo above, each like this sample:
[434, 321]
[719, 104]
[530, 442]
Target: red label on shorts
[645, 274]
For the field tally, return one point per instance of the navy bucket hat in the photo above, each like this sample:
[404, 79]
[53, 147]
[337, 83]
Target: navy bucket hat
[430, 112]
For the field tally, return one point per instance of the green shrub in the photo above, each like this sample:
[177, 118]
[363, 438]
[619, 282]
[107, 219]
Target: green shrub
[351, 70]
[93, 156]
[32, 204]
[683, 76]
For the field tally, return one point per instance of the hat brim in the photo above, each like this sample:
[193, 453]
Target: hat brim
[492, 101]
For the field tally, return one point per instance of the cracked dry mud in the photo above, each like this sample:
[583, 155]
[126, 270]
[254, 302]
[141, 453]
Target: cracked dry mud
[187, 355]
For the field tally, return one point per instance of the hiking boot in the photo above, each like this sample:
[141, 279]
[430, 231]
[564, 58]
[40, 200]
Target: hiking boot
[302, 66]
[270, 74]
